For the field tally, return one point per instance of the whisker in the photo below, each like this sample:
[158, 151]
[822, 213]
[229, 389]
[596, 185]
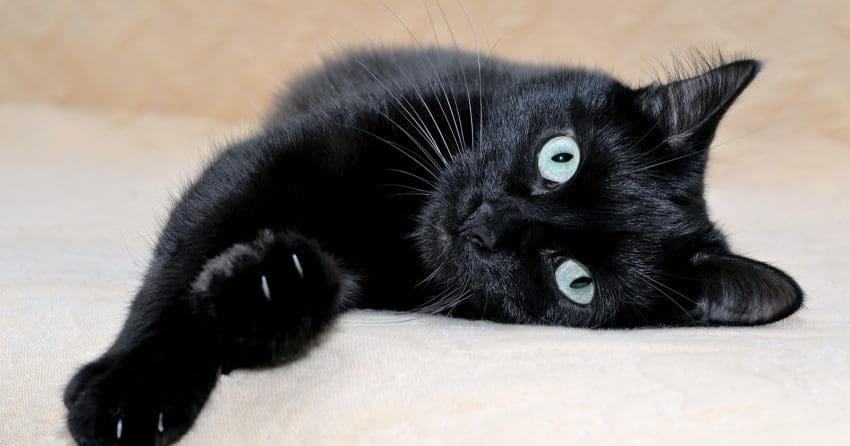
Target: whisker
[463, 297]
[640, 140]
[454, 131]
[648, 277]
[451, 303]
[430, 276]
[400, 148]
[676, 158]
[669, 298]
[750, 133]
[462, 70]
[667, 161]
[429, 183]
[411, 117]
[492, 50]
[480, 91]
[412, 188]
[421, 97]
[640, 155]
[409, 194]
[430, 62]
[446, 300]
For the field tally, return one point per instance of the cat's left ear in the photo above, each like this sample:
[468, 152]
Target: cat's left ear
[688, 110]
[735, 290]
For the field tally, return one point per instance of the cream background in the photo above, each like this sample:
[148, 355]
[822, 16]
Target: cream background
[106, 108]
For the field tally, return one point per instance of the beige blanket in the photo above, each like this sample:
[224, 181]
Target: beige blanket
[109, 107]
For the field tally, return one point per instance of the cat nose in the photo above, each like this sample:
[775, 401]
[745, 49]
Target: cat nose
[479, 229]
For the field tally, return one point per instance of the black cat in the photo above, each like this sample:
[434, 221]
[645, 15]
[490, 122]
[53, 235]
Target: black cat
[439, 182]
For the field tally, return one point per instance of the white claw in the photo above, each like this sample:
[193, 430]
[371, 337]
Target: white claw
[159, 425]
[298, 265]
[264, 284]
[119, 428]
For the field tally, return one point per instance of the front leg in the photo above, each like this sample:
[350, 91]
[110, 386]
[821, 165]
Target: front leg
[269, 300]
[150, 394]
[255, 304]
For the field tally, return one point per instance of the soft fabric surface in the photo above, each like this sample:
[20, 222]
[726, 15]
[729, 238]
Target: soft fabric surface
[108, 108]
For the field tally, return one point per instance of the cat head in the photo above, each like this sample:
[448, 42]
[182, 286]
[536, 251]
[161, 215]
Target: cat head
[581, 203]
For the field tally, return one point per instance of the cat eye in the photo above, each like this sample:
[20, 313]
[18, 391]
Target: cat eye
[558, 159]
[575, 282]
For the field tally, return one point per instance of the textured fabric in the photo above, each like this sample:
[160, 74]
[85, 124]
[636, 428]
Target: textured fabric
[108, 108]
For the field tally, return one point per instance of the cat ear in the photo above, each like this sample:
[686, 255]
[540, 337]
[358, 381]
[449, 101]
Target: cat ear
[688, 110]
[735, 290]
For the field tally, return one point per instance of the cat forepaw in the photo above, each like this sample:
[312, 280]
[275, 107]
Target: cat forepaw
[129, 400]
[281, 286]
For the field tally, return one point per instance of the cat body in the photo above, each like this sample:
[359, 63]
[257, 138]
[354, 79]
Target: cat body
[432, 181]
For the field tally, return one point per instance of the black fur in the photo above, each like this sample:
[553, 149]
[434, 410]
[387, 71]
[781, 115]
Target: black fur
[407, 180]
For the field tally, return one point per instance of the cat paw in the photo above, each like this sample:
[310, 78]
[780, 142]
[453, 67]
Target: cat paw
[268, 298]
[137, 399]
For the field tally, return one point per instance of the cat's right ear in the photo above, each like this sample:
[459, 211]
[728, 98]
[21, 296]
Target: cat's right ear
[689, 110]
[736, 290]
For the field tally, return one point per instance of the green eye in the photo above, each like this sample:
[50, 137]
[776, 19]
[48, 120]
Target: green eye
[558, 159]
[575, 282]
